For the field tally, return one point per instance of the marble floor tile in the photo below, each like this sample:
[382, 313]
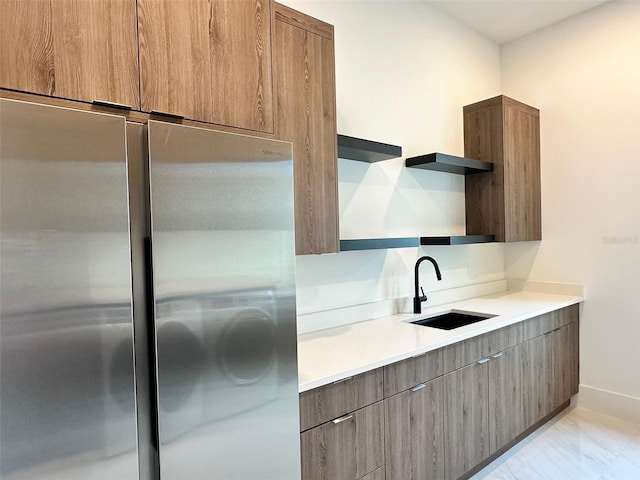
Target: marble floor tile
[578, 444]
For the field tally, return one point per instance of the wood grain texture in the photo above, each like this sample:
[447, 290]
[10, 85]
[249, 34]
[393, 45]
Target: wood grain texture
[407, 373]
[522, 174]
[466, 425]
[540, 325]
[304, 80]
[348, 450]
[537, 378]
[550, 321]
[566, 357]
[336, 399]
[76, 49]
[414, 437]
[305, 22]
[484, 192]
[505, 202]
[506, 411]
[468, 351]
[378, 474]
[208, 60]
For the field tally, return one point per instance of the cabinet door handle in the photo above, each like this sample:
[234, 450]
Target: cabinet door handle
[342, 419]
[418, 387]
[343, 380]
[483, 360]
[105, 103]
[497, 355]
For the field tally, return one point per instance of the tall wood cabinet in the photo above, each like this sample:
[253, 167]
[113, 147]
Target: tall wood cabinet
[304, 76]
[505, 202]
[74, 49]
[207, 60]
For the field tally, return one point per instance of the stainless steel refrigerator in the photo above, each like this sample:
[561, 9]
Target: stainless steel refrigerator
[147, 300]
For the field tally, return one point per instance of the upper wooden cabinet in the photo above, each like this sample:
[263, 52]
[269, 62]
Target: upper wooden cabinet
[505, 202]
[304, 77]
[75, 49]
[207, 60]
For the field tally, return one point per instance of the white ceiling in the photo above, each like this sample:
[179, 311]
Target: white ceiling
[503, 21]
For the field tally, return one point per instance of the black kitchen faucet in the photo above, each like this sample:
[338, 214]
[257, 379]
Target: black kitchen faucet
[417, 298]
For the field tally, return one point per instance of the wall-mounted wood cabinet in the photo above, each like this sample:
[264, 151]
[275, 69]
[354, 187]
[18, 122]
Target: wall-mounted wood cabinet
[74, 49]
[304, 77]
[505, 202]
[207, 60]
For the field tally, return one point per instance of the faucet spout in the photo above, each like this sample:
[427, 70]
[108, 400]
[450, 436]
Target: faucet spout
[417, 298]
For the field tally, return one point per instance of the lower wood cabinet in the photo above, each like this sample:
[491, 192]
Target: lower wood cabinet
[506, 397]
[447, 425]
[414, 433]
[347, 448]
[466, 418]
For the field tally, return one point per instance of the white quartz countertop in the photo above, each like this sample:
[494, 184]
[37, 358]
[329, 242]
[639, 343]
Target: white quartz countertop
[336, 353]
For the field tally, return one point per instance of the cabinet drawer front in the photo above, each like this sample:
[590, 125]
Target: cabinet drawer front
[468, 351]
[405, 374]
[347, 448]
[547, 322]
[340, 398]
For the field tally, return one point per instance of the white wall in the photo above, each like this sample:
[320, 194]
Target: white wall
[584, 75]
[403, 73]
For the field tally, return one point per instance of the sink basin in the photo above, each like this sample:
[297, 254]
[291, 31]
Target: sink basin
[452, 319]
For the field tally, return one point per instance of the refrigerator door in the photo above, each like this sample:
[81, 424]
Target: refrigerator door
[224, 291]
[67, 403]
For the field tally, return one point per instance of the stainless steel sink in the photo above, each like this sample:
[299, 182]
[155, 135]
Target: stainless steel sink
[452, 319]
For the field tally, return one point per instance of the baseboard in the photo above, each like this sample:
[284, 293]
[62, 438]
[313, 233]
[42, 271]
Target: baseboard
[614, 404]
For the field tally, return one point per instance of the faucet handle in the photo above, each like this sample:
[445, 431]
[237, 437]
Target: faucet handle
[423, 297]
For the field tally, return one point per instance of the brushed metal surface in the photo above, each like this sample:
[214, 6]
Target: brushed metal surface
[224, 290]
[67, 404]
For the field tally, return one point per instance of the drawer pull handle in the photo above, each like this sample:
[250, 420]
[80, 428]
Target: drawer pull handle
[343, 380]
[418, 387]
[497, 355]
[167, 114]
[484, 360]
[342, 419]
[105, 103]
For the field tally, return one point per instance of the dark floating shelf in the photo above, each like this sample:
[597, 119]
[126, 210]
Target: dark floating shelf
[442, 162]
[377, 243]
[404, 242]
[352, 148]
[457, 240]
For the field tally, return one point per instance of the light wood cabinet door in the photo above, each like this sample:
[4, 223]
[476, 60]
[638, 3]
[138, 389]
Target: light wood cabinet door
[566, 370]
[347, 448]
[304, 79]
[537, 378]
[506, 411]
[414, 440]
[76, 49]
[505, 202]
[466, 422]
[207, 60]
